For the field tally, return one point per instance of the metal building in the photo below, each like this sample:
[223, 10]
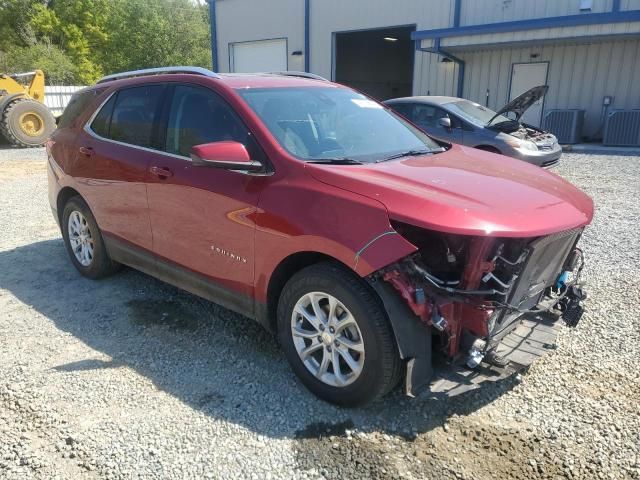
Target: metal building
[489, 51]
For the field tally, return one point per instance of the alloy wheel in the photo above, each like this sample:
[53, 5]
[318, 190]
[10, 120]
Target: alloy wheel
[327, 339]
[80, 238]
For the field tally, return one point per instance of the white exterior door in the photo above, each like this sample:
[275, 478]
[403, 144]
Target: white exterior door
[259, 56]
[525, 76]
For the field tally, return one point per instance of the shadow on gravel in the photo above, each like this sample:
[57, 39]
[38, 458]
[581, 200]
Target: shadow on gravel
[89, 364]
[213, 360]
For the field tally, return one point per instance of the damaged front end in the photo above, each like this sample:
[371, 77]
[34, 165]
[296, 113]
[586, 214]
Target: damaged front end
[480, 308]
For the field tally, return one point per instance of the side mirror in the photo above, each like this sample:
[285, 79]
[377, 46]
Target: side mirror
[445, 122]
[227, 154]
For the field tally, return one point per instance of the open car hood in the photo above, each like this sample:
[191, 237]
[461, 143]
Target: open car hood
[520, 104]
[466, 191]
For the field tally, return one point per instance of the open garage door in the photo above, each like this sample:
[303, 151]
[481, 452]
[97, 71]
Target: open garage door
[378, 62]
[525, 76]
[259, 56]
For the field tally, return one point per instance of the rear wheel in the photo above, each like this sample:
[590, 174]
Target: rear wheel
[27, 123]
[84, 241]
[336, 336]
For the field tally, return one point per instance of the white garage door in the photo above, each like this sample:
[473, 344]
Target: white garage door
[260, 56]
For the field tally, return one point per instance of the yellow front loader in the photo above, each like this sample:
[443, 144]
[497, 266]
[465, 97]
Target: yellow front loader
[25, 121]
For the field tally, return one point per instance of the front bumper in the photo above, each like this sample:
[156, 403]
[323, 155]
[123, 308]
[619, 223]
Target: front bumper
[518, 322]
[531, 339]
[541, 158]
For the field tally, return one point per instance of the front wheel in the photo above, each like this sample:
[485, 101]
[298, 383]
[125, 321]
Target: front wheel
[336, 336]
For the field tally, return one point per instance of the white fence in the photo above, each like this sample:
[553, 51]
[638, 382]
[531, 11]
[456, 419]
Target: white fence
[57, 97]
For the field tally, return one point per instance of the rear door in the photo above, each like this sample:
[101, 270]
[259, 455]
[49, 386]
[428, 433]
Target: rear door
[201, 216]
[117, 143]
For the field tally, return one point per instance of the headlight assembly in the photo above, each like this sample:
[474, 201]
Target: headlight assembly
[523, 145]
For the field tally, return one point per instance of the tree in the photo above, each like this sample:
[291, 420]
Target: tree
[154, 34]
[58, 67]
[15, 30]
[77, 26]
[80, 40]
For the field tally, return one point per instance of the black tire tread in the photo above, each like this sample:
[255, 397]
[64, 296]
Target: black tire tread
[392, 367]
[5, 119]
[103, 265]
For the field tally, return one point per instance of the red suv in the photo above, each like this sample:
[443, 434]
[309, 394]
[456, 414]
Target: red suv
[373, 251]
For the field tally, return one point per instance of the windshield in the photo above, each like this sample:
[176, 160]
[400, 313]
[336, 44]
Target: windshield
[475, 113]
[318, 123]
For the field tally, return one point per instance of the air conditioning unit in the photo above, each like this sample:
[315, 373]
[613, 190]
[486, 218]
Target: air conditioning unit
[622, 128]
[566, 125]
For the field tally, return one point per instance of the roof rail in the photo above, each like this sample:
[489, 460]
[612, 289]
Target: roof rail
[159, 71]
[300, 74]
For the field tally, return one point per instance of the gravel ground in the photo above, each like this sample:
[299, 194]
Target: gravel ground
[131, 378]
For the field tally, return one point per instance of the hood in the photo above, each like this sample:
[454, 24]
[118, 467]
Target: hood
[520, 104]
[466, 191]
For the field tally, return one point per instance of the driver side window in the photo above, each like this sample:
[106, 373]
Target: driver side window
[197, 116]
[425, 115]
[455, 121]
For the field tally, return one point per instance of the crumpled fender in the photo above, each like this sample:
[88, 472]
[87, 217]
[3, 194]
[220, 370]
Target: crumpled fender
[348, 227]
[382, 250]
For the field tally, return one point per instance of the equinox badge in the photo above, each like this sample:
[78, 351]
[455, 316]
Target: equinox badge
[227, 253]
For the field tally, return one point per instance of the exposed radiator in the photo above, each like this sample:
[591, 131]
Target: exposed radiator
[622, 127]
[547, 256]
[566, 125]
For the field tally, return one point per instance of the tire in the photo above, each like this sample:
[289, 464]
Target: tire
[98, 264]
[27, 123]
[489, 148]
[379, 366]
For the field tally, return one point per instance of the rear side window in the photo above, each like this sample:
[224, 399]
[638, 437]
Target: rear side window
[129, 115]
[102, 121]
[78, 104]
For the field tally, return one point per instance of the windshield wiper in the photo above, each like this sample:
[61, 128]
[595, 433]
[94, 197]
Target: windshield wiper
[335, 161]
[411, 153]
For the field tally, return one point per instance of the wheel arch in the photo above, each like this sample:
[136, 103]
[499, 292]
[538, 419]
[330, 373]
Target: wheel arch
[64, 195]
[288, 267]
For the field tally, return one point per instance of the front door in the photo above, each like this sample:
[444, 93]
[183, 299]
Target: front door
[525, 76]
[427, 117]
[200, 215]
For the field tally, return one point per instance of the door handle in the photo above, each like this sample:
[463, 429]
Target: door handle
[86, 151]
[161, 172]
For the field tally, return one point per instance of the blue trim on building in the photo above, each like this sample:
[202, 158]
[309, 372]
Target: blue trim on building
[307, 26]
[534, 23]
[456, 12]
[551, 40]
[437, 49]
[214, 34]
[615, 16]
